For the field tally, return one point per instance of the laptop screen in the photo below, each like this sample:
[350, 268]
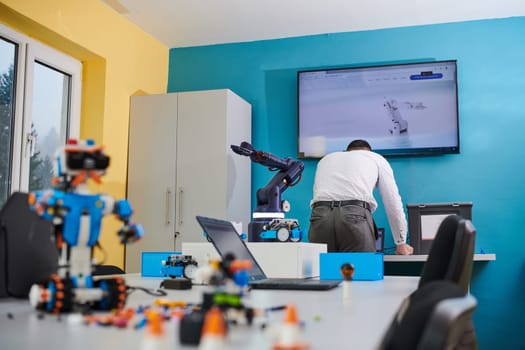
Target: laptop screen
[380, 241]
[227, 241]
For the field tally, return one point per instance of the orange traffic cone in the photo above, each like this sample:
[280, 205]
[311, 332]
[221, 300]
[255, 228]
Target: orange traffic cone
[154, 338]
[213, 331]
[290, 333]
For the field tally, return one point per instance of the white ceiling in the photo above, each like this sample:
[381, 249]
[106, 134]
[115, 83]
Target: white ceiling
[182, 23]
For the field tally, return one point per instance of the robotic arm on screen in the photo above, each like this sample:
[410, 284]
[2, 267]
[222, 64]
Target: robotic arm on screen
[269, 222]
[400, 125]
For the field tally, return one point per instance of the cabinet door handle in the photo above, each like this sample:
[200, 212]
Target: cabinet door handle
[181, 192]
[175, 235]
[168, 206]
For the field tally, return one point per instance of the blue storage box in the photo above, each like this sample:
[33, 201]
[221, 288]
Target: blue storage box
[152, 263]
[368, 266]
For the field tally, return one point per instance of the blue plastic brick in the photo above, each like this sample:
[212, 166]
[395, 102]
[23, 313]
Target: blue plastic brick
[152, 263]
[368, 266]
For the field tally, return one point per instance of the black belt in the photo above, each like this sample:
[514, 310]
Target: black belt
[335, 204]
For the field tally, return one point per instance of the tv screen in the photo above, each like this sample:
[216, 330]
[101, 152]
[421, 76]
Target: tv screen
[400, 109]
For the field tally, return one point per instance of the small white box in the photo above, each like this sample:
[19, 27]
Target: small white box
[277, 259]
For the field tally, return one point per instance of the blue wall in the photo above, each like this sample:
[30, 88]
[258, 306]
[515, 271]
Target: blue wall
[488, 171]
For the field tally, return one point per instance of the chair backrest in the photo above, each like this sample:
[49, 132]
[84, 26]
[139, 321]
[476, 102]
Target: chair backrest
[107, 270]
[435, 316]
[452, 253]
[450, 325]
[28, 252]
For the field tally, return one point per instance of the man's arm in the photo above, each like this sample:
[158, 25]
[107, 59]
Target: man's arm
[404, 249]
[393, 207]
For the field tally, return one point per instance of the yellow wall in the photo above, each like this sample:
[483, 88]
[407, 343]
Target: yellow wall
[119, 60]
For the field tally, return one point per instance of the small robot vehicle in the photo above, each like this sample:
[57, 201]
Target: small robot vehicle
[76, 215]
[178, 266]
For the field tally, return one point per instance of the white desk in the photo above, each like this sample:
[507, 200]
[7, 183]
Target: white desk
[329, 323]
[423, 258]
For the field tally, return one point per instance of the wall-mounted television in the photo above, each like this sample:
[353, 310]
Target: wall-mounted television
[400, 109]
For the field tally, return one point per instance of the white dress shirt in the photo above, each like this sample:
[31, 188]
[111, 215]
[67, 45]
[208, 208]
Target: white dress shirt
[354, 175]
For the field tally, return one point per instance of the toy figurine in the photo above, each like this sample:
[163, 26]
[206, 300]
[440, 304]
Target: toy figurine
[228, 281]
[347, 271]
[76, 215]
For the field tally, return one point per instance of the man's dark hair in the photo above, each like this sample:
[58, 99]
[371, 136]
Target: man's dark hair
[358, 144]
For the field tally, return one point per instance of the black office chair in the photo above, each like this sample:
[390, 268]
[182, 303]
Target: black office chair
[452, 253]
[28, 252]
[432, 318]
[101, 270]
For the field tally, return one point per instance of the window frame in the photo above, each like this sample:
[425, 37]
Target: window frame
[18, 115]
[30, 51]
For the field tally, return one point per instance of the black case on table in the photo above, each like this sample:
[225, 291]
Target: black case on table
[417, 213]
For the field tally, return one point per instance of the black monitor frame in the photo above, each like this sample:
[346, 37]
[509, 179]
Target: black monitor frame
[339, 104]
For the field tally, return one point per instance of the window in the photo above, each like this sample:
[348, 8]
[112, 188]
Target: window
[8, 52]
[39, 109]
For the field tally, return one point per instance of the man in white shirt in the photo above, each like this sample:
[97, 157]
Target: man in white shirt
[343, 201]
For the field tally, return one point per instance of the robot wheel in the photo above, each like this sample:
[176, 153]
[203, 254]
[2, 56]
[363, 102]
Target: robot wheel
[114, 290]
[54, 295]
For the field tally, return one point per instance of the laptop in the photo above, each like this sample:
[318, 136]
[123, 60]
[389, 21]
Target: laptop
[227, 241]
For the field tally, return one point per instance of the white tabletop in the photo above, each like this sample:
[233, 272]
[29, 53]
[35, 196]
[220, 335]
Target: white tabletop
[423, 258]
[329, 323]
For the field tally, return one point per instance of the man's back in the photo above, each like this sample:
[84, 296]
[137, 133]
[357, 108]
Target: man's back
[347, 180]
[343, 175]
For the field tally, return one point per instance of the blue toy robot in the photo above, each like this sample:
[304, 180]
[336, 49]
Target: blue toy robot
[77, 215]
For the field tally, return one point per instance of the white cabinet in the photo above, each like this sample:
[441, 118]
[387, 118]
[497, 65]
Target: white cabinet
[181, 165]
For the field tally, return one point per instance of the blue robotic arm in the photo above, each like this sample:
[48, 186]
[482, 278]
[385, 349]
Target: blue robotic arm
[289, 174]
[269, 223]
